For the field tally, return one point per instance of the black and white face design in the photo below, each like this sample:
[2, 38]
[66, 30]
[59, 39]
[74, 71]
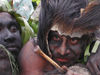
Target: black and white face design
[66, 50]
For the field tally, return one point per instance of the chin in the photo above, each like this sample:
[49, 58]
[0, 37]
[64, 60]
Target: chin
[14, 51]
[65, 63]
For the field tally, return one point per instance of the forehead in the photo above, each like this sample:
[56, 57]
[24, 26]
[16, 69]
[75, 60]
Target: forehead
[5, 18]
[74, 34]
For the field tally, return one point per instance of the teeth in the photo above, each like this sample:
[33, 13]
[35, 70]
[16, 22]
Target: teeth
[11, 48]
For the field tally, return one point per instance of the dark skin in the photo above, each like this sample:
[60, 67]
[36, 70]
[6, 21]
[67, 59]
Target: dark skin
[58, 13]
[55, 13]
[65, 51]
[31, 65]
[93, 63]
[10, 37]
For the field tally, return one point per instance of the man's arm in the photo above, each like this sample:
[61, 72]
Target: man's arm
[93, 63]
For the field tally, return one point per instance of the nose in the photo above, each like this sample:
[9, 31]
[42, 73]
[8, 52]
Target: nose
[9, 37]
[63, 46]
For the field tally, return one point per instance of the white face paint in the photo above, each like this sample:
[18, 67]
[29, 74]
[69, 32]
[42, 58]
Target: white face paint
[76, 34]
[73, 34]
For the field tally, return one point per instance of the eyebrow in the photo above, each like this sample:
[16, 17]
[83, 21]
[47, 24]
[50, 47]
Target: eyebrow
[75, 38]
[13, 22]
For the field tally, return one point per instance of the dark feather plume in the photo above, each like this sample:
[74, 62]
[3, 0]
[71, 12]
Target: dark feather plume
[57, 12]
[90, 19]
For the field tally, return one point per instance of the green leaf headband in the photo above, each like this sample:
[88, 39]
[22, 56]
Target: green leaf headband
[27, 31]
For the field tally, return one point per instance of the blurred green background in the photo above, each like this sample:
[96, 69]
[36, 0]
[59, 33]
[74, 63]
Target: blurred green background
[35, 2]
[34, 23]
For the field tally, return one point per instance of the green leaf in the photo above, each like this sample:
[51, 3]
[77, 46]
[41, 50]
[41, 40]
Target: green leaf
[27, 31]
[37, 1]
[4, 5]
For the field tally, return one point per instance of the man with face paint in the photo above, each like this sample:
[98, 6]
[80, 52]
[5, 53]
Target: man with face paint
[66, 51]
[87, 23]
[10, 38]
[31, 63]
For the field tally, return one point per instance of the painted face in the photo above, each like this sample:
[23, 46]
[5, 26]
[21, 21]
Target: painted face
[10, 33]
[65, 50]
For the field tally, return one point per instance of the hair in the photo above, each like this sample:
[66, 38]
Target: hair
[57, 12]
[90, 19]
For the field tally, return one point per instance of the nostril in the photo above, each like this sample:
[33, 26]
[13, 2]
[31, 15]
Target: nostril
[63, 51]
[9, 39]
[68, 51]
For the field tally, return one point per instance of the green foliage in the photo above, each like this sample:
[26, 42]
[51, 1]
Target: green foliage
[37, 1]
[34, 25]
[28, 29]
[32, 22]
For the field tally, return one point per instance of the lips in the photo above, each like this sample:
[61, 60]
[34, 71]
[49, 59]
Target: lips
[62, 59]
[12, 48]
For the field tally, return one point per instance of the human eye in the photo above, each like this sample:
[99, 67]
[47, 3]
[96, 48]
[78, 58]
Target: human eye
[74, 41]
[13, 29]
[56, 38]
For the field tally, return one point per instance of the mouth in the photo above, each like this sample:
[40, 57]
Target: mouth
[62, 59]
[12, 48]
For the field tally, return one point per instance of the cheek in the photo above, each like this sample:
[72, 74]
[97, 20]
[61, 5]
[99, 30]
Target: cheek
[77, 49]
[53, 48]
[18, 40]
[53, 45]
[1, 40]
[17, 35]
[2, 36]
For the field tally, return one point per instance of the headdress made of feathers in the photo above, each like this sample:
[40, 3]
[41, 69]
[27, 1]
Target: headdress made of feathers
[66, 15]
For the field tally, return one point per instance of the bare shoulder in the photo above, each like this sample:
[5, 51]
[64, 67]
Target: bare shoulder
[29, 59]
[27, 50]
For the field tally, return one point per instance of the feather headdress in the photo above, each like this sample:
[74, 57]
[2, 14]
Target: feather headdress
[63, 13]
